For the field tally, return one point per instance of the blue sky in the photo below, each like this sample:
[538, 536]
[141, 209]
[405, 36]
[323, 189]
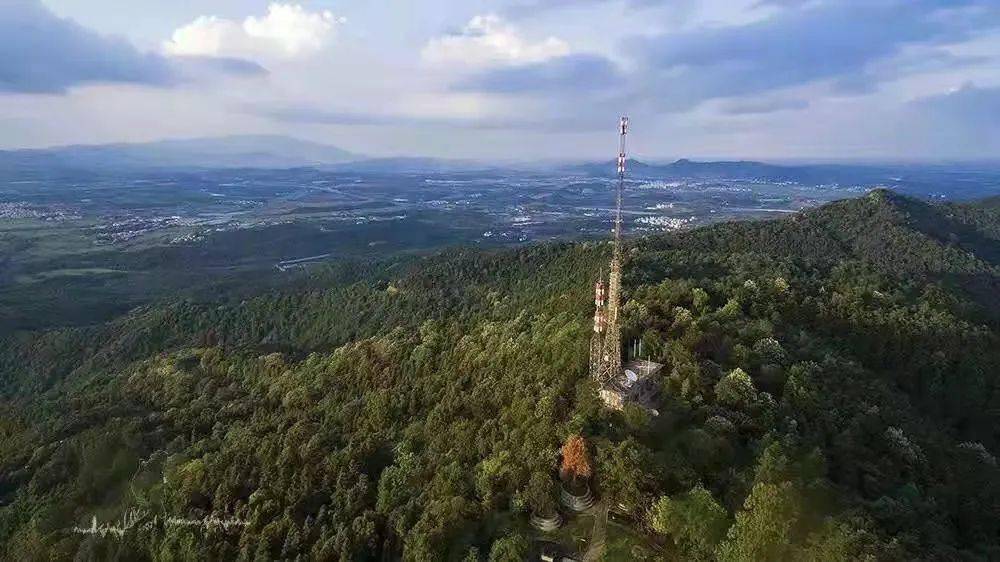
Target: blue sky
[513, 79]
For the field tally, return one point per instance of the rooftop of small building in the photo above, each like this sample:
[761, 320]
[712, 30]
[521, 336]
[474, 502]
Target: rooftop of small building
[641, 368]
[633, 372]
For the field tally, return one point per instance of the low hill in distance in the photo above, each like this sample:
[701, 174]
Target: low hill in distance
[700, 170]
[949, 181]
[246, 151]
[956, 181]
[410, 165]
[830, 392]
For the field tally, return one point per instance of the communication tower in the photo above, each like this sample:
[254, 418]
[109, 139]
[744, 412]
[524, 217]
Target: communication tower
[605, 344]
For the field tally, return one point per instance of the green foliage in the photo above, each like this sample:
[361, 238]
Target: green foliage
[694, 520]
[511, 548]
[829, 388]
[736, 389]
[839, 541]
[622, 471]
[763, 529]
[541, 493]
[700, 299]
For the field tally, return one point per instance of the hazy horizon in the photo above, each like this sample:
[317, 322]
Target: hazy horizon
[657, 160]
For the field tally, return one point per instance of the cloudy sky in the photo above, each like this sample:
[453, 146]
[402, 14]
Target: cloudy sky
[512, 79]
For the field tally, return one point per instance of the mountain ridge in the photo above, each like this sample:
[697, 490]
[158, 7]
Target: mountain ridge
[743, 170]
[900, 235]
[282, 152]
[232, 151]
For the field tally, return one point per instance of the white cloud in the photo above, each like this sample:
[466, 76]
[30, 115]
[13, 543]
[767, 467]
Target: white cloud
[288, 30]
[489, 40]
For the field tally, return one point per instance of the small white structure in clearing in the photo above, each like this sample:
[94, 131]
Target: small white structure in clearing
[637, 384]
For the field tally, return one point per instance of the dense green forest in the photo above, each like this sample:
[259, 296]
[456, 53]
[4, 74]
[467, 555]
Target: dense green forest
[831, 391]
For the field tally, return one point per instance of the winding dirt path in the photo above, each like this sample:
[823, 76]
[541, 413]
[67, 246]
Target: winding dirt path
[598, 534]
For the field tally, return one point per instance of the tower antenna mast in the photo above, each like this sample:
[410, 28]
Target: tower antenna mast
[606, 346]
[623, 130]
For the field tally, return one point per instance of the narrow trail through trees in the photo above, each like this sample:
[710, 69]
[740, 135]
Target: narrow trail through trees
[598, 535]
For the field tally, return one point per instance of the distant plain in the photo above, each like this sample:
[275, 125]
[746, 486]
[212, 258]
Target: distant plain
[78, 246]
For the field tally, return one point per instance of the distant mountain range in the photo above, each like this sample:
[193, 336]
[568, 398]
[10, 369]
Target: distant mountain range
[410, 165]
[244, 151]
[744, 170]
[964, 180]
[961, 181]
[275, 151]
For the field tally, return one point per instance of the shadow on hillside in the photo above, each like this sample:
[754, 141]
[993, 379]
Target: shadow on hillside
[983, 289]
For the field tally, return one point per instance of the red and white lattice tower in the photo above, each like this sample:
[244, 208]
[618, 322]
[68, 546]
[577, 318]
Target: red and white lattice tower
[605, 344]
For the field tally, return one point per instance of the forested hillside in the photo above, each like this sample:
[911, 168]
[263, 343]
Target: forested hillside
[830, 392]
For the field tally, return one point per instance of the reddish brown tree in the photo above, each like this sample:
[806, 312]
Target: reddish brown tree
[575, 460]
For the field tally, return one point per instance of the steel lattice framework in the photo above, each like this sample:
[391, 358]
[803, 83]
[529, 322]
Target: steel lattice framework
[605, 345]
